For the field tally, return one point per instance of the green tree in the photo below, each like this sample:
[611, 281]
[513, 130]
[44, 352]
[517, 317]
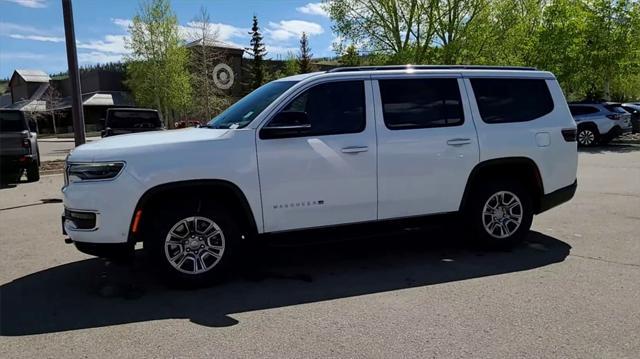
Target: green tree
[304, 55]
[257, 51]
[291, 65]
[402, 29]
[157, 66]
[350, 56]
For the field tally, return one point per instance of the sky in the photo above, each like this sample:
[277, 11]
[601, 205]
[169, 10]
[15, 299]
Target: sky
[32, 31]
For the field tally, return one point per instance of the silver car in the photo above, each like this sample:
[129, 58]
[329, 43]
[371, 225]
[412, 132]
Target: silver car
[599, 123]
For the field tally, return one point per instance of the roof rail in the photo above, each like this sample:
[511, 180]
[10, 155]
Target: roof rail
[430, 67]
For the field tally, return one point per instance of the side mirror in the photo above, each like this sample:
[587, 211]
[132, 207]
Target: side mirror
[287, 124]
[106, 132]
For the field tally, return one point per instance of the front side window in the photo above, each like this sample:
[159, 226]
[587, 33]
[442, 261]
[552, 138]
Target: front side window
[332, 108]
[421, 103]
[503, 100]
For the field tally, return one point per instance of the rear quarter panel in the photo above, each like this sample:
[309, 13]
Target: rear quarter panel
[540, 140]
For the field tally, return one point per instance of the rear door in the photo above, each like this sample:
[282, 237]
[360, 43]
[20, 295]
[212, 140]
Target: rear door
[427, 144]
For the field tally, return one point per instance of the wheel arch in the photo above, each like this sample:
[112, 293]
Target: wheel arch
[589, 124]
[227, 188]
[523, 168]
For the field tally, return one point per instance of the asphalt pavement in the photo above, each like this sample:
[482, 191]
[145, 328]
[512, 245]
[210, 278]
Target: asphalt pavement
[572, 290]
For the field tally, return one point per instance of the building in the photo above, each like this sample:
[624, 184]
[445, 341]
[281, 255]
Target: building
[226, 61]
[46, 98]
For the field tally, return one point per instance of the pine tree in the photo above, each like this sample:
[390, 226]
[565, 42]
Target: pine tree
[257, 51]
[304, 57]
[350, 57]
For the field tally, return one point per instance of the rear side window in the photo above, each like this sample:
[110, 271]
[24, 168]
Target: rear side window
[421, 103]
[582, 110]
[133, 119]
[511, 100]
[615, 108]
[12, 121]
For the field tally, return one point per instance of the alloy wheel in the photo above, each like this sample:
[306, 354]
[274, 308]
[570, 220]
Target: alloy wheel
[502, 214]
[586, 137]
[194, 245]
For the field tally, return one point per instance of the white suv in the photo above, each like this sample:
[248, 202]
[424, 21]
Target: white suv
[347, 146]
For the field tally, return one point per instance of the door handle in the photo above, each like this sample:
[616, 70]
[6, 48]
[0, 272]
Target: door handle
[355, 149]
[459, 141]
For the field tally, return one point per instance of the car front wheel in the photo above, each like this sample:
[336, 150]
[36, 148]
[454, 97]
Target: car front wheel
[193, 248]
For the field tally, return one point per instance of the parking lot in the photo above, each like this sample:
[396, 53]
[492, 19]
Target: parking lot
[572, 290]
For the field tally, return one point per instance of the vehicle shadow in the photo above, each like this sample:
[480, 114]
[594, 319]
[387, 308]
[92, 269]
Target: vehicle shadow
[612, 147]
[90, 293]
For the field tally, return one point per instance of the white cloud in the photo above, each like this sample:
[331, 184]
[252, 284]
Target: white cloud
[313, 8]
[287, 29]
[222, 32]
[7, 28]
[281, 52]
[115, 44]
[94, 57]
[21, 56]
[37, 38]
[123, 23]
[34, 4]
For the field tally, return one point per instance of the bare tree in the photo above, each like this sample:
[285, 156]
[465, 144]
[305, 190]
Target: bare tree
[52, 102]
[208, 98]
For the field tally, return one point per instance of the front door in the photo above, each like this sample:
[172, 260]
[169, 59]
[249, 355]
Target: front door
[325, 175]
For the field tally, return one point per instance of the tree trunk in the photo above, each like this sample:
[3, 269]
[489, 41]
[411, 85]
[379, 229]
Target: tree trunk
[53, 121]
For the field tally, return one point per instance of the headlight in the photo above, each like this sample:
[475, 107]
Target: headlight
[78, 172]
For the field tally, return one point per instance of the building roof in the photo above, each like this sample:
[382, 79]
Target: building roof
[31, 75]
[215, 43]
[100, 98]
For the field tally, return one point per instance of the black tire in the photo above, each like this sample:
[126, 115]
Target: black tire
[587, 136]
[164, 220]
[477, 218]
[33, 172]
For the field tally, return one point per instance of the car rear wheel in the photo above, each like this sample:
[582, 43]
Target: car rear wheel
[587, 137]
[33, 172]
[500, 214]
[192, 247]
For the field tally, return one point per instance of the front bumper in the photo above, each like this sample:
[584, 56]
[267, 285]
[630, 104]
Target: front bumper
[111, 202]
[557, 197]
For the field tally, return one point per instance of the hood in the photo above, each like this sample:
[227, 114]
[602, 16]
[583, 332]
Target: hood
[123, 146]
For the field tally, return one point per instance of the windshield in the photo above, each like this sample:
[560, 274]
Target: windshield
[244, 111]
[12, 121]
[133, 119]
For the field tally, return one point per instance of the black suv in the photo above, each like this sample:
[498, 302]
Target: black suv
[18, 147]
[120, 121]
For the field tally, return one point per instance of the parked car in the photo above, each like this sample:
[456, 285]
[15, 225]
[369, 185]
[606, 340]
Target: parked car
[18, 147]
[599, 122]
[131, 120]
[634, 109]
[348, 149]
